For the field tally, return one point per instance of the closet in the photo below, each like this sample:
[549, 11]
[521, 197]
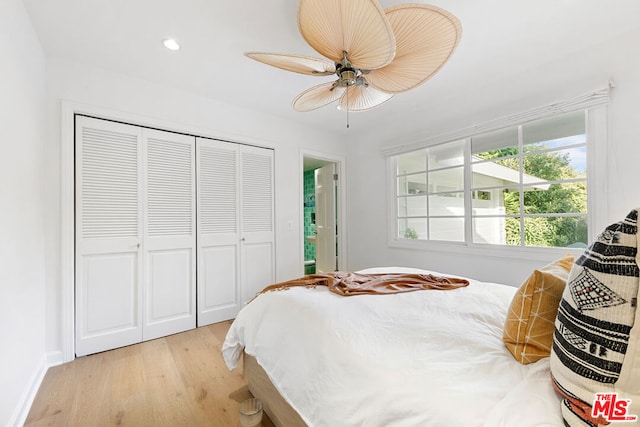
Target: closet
[172, 231]
[235, 226]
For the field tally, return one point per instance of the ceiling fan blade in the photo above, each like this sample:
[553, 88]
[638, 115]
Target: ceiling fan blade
[426, 37]
[358, 27]
[317, 96]
[296, 63]
[362, 98]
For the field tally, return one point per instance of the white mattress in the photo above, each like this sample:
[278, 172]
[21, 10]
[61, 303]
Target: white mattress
[424, 358]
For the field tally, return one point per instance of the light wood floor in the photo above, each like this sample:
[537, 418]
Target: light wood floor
[179, 380]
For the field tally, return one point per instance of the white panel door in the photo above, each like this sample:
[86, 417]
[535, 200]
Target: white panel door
[218, 230]
[326, 259]
[256, 220]
[108, 235]
[169, 244]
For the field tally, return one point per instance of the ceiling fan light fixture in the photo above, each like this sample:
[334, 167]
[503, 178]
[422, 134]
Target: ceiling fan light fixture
[317, 96]
[348, 77]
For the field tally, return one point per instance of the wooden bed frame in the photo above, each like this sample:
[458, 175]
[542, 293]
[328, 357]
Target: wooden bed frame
[278, 410]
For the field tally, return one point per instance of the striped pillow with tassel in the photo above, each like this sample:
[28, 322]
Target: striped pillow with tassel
[595, 358]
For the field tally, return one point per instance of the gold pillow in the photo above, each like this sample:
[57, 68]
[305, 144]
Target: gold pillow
[528, 330]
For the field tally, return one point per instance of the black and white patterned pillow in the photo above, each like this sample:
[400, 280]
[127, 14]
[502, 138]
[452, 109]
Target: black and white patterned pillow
[595, 346]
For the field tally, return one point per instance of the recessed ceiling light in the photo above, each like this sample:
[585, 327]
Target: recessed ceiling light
[171, 44]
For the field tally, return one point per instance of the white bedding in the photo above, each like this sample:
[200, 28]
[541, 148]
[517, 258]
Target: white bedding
[424, 358]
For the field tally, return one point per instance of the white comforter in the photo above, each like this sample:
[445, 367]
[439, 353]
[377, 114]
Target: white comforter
[424, 358]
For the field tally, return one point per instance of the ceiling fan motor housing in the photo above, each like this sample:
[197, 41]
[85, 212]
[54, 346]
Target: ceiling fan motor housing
[347, 74]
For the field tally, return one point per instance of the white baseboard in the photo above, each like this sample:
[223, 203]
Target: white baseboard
[54, 358]
[28, 395]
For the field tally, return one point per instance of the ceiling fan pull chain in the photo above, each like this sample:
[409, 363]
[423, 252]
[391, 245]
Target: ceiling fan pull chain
[347, 95]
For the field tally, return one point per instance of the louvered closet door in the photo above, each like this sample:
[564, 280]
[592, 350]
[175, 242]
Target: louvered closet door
[169, 255]
[218, 231]
[108, 235]
[256, 220]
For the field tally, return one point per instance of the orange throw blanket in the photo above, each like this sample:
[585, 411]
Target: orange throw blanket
[350, 284]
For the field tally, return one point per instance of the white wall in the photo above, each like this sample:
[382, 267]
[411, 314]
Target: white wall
[22, 245]
[562, 79]
[175, 110]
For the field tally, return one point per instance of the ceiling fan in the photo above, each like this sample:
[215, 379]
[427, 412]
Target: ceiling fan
[375, 53]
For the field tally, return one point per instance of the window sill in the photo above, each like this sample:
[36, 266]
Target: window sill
[498, 251]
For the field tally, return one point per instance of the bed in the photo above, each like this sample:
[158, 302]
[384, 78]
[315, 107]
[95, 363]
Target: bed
[424, 358]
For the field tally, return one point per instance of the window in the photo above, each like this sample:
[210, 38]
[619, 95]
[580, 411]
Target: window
[521, 185]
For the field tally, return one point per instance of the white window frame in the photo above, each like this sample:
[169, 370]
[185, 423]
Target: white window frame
[594, 103]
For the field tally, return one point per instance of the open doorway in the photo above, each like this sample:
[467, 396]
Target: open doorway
[321, 215]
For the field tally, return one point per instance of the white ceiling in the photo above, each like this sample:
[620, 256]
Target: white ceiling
[501, 39]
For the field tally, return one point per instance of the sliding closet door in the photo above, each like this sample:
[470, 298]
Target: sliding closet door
[218, 231]
[108, 235]
[169, 255]
[256, 224]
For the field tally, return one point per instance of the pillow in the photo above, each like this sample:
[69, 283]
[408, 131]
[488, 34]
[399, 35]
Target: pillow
[528, 330]
[595, 359]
